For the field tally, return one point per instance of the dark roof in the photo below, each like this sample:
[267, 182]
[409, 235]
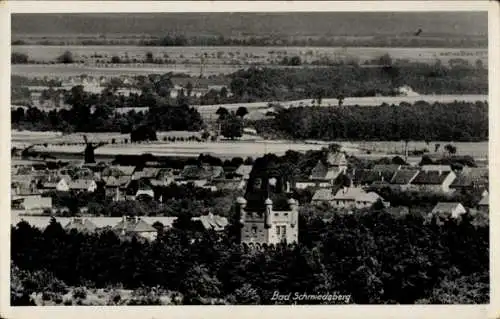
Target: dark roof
[131, 225]
[369, 176]
[81, 225]
[471, 176]
[430, 178]
[201, 172]
[404, 177]
[386, 167]
[319, 171]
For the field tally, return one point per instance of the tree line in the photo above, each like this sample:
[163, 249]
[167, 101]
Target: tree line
[219, 40]
[96, 113]
[375, 257]
[264, 84]
[457, 121]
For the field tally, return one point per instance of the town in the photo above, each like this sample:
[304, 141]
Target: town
[158, 173]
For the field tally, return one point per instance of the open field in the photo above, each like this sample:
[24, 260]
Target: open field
[247, 55]
[224, 149]
[71, 70]
[349, 101]
[259, 109]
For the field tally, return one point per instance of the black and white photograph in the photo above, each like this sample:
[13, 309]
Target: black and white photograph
[249, 158]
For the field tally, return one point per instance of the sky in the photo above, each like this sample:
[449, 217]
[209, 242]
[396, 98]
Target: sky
[226, 24]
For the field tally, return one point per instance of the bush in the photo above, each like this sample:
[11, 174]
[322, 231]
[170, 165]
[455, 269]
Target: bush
[66, 58]
[80, 293]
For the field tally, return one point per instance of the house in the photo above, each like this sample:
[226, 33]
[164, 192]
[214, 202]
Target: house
[338, 160]
[445, 210]
[82, 225]
[354, 197]
[83, 185]
[433, 181]
[118, 171]
[61, 186]
[23, 188]
[323, 174]
[471, 178]
[139, 188]
[135, 226]
[243, 172]
[201, 172]
[146, 172]
[115, 187]
[436, 168]
[303, 184]
[229, 184]
[402, 179]
[323, 195]
[34, 204]
[484, 203]
[366, 177]
[386, 167]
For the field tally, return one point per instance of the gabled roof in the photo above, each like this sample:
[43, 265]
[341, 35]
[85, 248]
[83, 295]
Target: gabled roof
[319, 171]
[356, 194]
[446, 206]
[118, 171]
[436, 168]
[199, 172]
[24, 187]
[323, 194]
[120, 181]
[386, 167]
[370, 176]
[147, 172]
[159, 183]
[430, 178]
[243, 170]
[404, 177]
[485, 201]
[470, 176]
[226, 183]
[81, 184]
[135, 226]
[336, 159]
[214, 222]
[81, 225]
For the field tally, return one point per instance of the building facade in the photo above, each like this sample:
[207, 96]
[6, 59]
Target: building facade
[269, 227]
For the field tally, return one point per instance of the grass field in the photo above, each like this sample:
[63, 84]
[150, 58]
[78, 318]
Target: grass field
[245, 54]
[350, 101]
[223, 149]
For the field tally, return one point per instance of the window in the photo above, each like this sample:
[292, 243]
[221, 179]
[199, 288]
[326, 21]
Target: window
[281, 231]
[276, 214]
[254, 230]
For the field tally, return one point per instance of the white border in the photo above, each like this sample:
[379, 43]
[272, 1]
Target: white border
[482, 311]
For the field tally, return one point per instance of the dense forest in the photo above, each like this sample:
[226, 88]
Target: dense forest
[374, 257]
[459, 121]
[352, 80]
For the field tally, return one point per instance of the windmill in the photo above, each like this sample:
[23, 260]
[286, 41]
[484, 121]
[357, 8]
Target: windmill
[89, 155]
